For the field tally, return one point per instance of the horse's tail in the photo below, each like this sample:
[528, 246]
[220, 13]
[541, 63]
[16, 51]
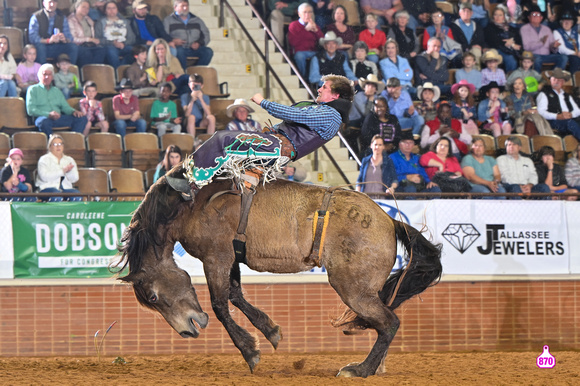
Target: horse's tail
[423, 270]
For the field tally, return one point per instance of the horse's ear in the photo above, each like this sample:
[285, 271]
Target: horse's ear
[130, 278]
[181, 185]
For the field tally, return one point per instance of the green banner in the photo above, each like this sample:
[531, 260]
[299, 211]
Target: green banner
[68, 239]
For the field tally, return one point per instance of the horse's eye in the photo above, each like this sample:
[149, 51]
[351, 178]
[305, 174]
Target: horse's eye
[153, 298]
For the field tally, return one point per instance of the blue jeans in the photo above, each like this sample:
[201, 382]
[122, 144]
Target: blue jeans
[476, 188]
[300, 58]
[565, 127]
[113, 53]
[59, 199]
[560, 60]
[91, 55]
[509, 61]
[412, 189]
[7, 88]
[121, 126]
[181, 85]
[44, 51]
[415, 122]
[203, 53]
[45, 124]
[515, 188]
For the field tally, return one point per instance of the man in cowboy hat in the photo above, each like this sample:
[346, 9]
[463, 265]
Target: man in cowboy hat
[126, 110]
[539, 39]
[567, 36]
[401, 106]
[410, 174]
[240, 110]
[557, 106]
[363, 101]
[329, 61]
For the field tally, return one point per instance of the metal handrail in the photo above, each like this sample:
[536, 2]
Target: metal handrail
[270, 69]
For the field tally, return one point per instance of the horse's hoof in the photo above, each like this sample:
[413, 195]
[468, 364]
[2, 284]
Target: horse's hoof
[349, 371]
[275, 336]
[253, 360]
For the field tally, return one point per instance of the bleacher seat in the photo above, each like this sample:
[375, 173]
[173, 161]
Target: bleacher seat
[16, 40]
[4, 146]
[211, 86]
[75, 147]
[105, 150]
[33, 145]
[183, 140]
[555, 142]
[93, 181]
[126, 180]
[218, 108]
[142, 150]
[526, 148]
[489, 141]
[102, 74]
[570, 144]
[13, 116]
[149, 174]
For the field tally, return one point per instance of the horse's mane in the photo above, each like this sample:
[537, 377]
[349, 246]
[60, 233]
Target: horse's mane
[157, 209]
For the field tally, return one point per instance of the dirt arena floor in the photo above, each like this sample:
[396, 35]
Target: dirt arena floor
[498, 368]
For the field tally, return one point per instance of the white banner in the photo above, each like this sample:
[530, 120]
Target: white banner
[497, 237]
[573, 226]
[6, 241]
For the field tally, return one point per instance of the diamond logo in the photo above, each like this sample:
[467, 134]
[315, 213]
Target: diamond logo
[461, 236]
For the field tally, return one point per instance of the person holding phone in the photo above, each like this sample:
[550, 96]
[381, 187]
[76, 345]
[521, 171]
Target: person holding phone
[196, 107]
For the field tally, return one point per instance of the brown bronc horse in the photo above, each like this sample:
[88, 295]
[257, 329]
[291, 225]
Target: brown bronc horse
[359, 253]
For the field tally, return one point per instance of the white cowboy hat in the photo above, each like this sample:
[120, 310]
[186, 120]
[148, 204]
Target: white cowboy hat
[238, 103]
[330, 37]
[429, 86]
[372, 78]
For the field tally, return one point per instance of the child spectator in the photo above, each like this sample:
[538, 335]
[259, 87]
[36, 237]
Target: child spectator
[137, 75]
[493, 111]
[15, 178]
[373, 37]
[428, 94]
[360, 65]
[126, 109]
[532, 78]
[240, 111]
[492, 59]
[164, 112]
[93, 109]
[65, 81]
[196, 107]
[469, 73]
[27, 70]
[463, 106]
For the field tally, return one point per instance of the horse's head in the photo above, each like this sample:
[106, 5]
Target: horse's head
[164, 287]
[147, 249]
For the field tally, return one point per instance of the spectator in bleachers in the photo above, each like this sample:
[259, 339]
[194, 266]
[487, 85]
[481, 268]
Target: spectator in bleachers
[93, 109]
[240, 111]
[382, 9]
[409, 45]
[65, 80]
[463, 106]
[557, 106]
[493, 111]
[363, 102]
[190, 34]
[469, 73]
[572, 169]
[431, 66]
[115, 34]
[518, 174]
[48, 107]
[482, 171]
[419, 11]
[329, 60]
[323, 10]
[126, 110]
[162, 66]
[374, 37]
[377, 170]
[539, 40]
[552, 174]
[504, 38]
[467, 33]
[410, 174]
[83, 31]
[567, 36]
[428, 94]
[196, 107]
[401, 105]
[173, 156]
[303, 36]
[440, 159]
[49, 31]
[15, 178]
[523, 113]
[444, 126]
[56, 171]
[27, 70]
[7, 69]
[480, 13]
[282, 11]
[146, 27]
[360, 65]
[97, 10]
[137, 75]
[492, 73]
[380, 121]
[395, 66]
[532, 78]
[341, 29]
[450, 48]
[164, 112]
